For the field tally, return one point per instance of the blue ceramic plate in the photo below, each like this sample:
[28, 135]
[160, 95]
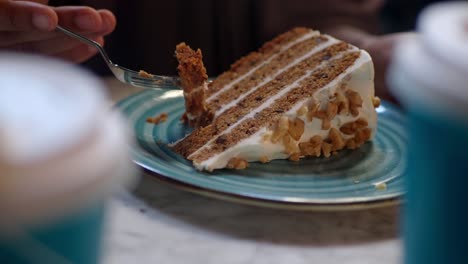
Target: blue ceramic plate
[344, 181]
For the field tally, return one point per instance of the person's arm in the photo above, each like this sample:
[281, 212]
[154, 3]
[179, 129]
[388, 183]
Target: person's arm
[29, 26]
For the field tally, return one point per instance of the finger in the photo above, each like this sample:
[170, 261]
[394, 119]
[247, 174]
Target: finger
[55, 45]
[24, 15]
[79, 18]
[108, 20]
[77, 54]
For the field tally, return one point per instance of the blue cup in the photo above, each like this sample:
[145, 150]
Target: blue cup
[429, 74]
[75, 238]
[63, 153]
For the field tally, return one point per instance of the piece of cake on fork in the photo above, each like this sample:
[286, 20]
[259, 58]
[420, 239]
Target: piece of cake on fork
[301, 94]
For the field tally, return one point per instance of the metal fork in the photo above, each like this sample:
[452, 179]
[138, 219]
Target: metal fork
[126, 75]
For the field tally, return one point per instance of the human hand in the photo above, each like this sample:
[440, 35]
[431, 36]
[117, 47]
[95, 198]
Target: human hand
[379, 47]
[29, 26]
[381, 50]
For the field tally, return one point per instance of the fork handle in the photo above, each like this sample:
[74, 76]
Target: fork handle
[85, 40]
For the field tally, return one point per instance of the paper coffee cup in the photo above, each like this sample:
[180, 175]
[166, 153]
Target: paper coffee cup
[63, 152]
[429, 75]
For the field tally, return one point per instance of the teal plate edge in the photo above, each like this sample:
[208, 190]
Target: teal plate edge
[148, 103]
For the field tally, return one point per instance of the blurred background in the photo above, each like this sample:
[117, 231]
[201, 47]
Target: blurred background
[148, 31]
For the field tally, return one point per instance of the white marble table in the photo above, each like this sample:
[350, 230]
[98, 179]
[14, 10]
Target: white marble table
[158, 223]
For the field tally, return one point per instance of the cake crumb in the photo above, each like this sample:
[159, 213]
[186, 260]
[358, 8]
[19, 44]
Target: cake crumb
[157, 119]
[145, 74]
[381, 186]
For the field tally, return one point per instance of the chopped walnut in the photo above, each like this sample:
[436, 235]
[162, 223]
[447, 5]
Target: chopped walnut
[354, 98]
[362, 135]
[266, 137]
[361, 122]
[296, 128]
[295, 156]
[336, 139]
[326, 124]
[280, 130]
[157, 119]
[343, 105]
[376, 101]
[351, 143]
[238, 164]
[302, 111]
[332, 110]
[351, 127]
[312, 111]
[289, 144]
[264, 159]
[348, 128]
[312, 147]
[326, 149]
[321, 114]
[355, 102]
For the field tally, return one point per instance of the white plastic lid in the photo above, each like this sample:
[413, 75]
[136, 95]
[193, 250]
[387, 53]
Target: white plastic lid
[61, 148]
[444, 30]
[46, 107]
[430, 69]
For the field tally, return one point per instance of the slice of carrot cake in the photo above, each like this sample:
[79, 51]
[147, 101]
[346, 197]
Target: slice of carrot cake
[301, 94]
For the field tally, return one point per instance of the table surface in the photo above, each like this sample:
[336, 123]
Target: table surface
[158, 223]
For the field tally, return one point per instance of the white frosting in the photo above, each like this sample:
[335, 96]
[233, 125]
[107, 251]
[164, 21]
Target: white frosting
[284, 48]
[360, 78]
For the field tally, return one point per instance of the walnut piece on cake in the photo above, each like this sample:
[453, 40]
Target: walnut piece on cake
[193, 78]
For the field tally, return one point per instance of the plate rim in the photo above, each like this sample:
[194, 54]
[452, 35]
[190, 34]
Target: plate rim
[304, 204]
[268, 203]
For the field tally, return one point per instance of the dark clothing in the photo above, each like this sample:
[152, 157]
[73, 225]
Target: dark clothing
[148, 31]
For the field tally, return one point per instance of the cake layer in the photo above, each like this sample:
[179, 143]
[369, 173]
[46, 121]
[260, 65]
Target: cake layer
[240, 108]
[269, 113]
[266, 72]
[303, 94]
[256, 58]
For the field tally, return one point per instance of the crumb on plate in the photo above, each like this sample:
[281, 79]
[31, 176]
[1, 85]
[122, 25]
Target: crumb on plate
[157, 119]
[381, 186]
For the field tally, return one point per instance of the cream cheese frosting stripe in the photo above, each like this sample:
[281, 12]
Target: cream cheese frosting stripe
[360, 61]
[268, 79]
[283, 49]
[271, 100]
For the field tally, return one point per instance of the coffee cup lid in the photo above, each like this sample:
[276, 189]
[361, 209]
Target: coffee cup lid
[46, 107]
[62, 148]
[444, 30]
